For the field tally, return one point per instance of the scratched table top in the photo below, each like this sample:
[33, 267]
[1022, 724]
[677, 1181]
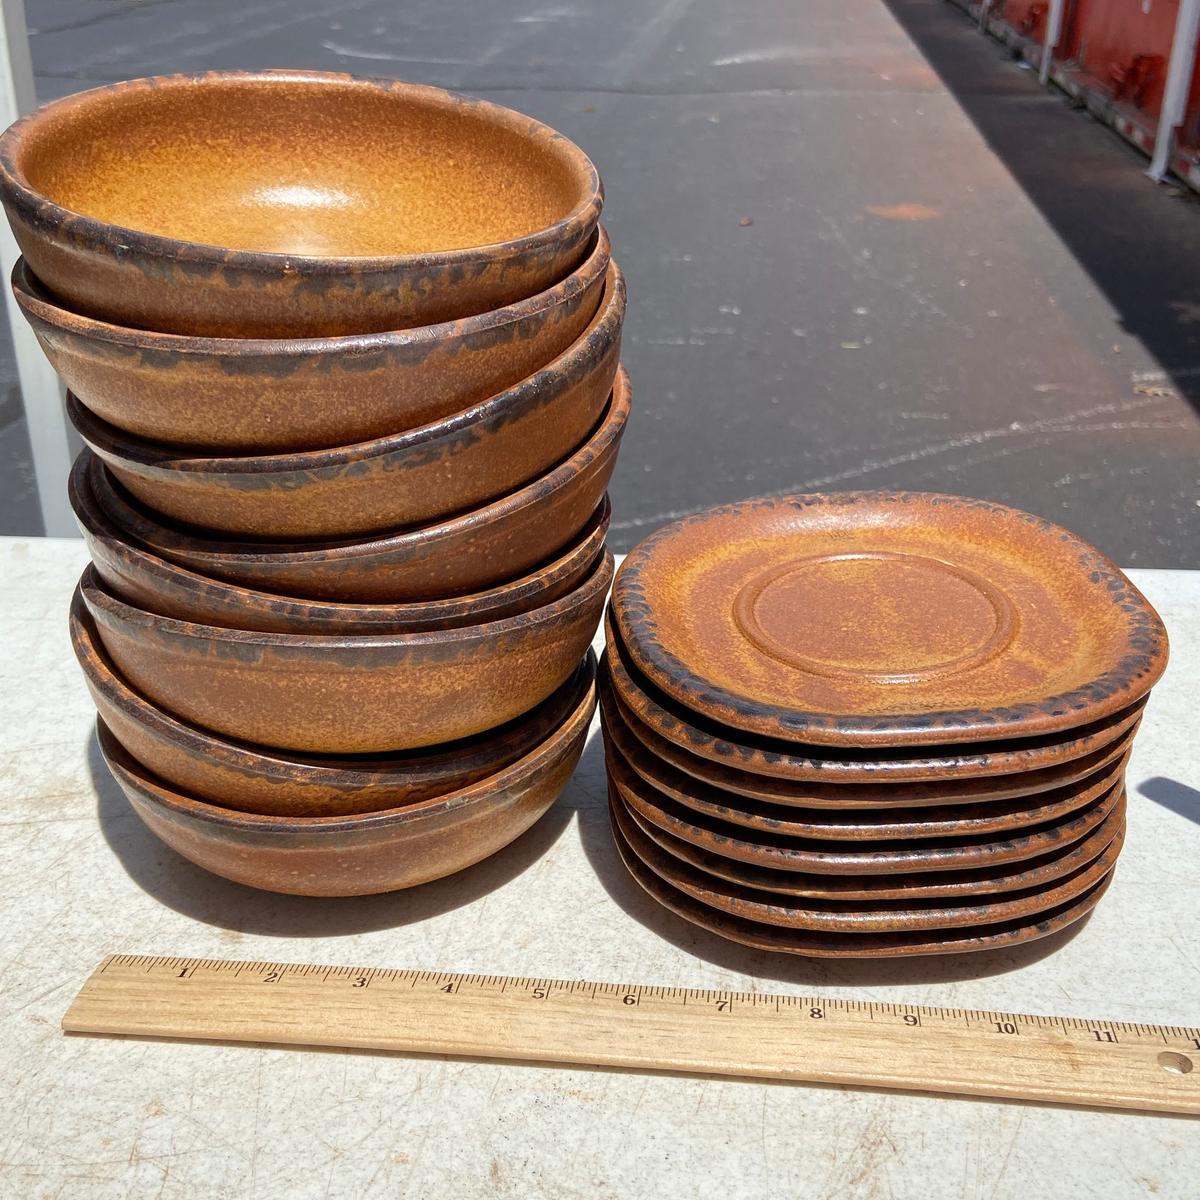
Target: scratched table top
[81, 878]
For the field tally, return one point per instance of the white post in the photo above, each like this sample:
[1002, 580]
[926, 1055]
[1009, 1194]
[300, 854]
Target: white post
[1179, 82]
[41, 390]
[1050, 44]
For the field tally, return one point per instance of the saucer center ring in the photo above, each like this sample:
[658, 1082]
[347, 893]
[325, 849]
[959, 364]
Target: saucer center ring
[875, 616]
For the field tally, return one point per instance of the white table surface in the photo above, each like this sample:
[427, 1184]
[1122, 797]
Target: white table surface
[82, 1117]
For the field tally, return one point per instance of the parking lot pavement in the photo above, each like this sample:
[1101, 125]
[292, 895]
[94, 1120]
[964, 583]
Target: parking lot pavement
[863, 248]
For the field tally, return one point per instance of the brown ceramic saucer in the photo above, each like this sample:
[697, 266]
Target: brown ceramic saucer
[465, 553]
[364, 854]
[865, 945]
[292, 203]
[1038, 872]
[841, 916]
[944, 790]
[888, 619]
[333, 694]
[250, 778]
[789, 793]
[414, 476]
[254, 395]
[842, 858]
[951, 821]
[642, 705]
[157, 585]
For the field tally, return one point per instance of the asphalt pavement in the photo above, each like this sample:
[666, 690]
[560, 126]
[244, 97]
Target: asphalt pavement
[864, 249]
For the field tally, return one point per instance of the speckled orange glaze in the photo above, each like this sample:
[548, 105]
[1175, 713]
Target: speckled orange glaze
[642, 705]
[253, 395]
[359, 855]
[147, 581]
[417, 476]
[254, 779]
[191, 204]
[465, 553]
[340, 694]
[885, 619]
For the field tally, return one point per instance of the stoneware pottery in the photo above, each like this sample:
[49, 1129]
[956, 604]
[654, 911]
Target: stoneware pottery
[250, 778]
[858, 825]
[641, 704]
[255, 395]
[1037, 872]
[292, 203]
[850, 917]
[358, 855]
[468, 552]
[864, 945]
[147, 581]
[850, 858]
[332, 694]
[416, 476]
[887, 619]
[1021, 786]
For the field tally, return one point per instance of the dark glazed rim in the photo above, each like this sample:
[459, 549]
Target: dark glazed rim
[817, 856]
[604, 438]
[345, 772]
[40, 307]
[950, 819]
[540, 389]
[696, 734]
[93, 520]
[122, 243]
[778, 940]
[1140, 667]
[574, 725]
[104, 607]
[916, 912]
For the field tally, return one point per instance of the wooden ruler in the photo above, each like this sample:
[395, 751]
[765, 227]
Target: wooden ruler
[1067, 1060]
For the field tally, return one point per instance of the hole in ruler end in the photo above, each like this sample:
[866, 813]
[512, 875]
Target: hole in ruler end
[1177, 1064]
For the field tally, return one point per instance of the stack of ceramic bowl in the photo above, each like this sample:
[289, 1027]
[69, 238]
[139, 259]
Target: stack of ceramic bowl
[345, 357]
[868, 724]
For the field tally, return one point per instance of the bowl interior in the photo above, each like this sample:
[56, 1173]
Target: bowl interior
[303, 165]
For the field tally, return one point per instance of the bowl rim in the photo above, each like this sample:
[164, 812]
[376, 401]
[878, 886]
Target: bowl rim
[39, 305]
[94, 521]
[93, 233]
[598, 337]
[576, 722]
[604, 437]
[102, 604]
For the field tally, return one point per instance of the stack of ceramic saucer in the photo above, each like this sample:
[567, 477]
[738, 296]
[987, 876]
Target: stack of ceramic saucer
[345, 355]
[867, 724]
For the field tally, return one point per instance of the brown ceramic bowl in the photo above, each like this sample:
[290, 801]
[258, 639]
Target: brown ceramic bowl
[292, 203]
[250, 778]
[349, 695]
[408, 478]
[358, 855]
[252, 395]
[465, 553]
[146, 581]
